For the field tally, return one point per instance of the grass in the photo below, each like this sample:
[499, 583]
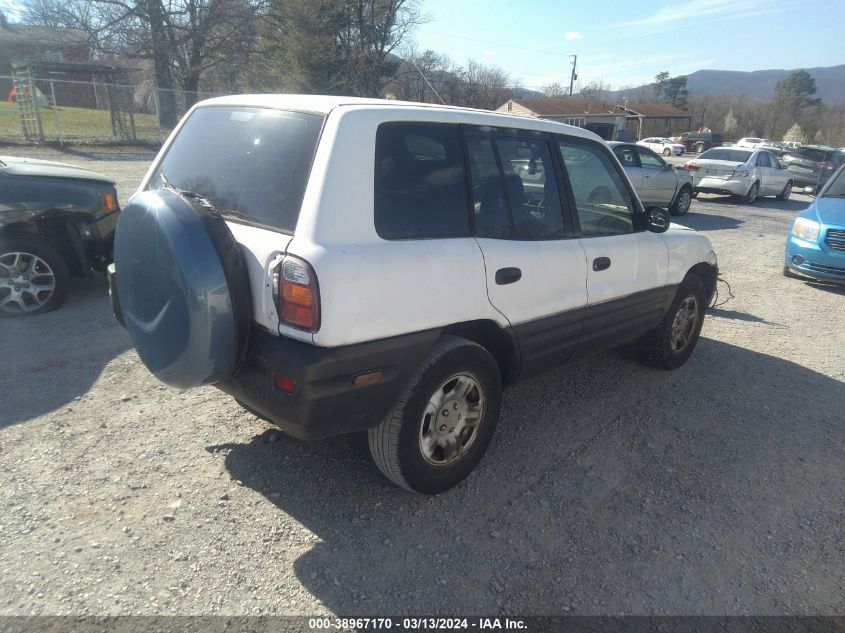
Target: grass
[77, 124]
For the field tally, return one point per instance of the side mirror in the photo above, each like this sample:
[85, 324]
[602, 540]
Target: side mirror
[657, 220]
[670, 167]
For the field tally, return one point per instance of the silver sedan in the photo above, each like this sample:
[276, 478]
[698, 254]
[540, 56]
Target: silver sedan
[657, 183]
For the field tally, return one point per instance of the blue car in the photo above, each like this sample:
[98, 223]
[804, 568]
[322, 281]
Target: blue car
[815, 246]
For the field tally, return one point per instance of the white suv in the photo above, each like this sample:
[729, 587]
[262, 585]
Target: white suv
[341, 264]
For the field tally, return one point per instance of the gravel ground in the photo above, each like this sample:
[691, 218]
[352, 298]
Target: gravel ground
[609, 488]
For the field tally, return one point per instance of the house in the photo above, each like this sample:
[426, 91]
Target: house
[611, 121]
[19, 42]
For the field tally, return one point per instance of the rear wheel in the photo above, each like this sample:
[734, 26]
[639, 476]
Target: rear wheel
[751, 196]
[444, 420]
[670, 344]
[699, 148]
[787, 191]
[33, 277]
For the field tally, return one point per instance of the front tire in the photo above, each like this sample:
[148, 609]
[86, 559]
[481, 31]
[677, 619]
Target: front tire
[670, 344]
[667, 152]
[682, 203]
[699, 148]
[34, 277]
[444, 420]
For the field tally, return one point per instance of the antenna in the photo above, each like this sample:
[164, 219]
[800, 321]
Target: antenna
[574, 76]
[425, 79]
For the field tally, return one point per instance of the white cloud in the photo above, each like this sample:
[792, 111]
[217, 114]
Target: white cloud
[704, 11]
[488, 53]
[573, 35]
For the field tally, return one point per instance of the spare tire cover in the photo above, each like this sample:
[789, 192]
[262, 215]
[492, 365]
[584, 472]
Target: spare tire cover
[183, 288]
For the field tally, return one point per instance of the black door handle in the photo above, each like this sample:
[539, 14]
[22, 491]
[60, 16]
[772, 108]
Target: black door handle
[601, 263]
[506, 276]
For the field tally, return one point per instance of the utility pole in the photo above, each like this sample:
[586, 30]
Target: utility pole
[574, 76]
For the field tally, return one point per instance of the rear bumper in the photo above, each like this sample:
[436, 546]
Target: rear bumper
[326, 401]
[719, 185]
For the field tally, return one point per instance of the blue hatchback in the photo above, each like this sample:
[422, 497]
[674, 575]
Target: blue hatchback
[815, 246]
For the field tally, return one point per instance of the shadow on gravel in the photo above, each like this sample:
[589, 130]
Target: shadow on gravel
[609, 488]
[49, 359]
[709, 222]
[742, 316]
[792, 205]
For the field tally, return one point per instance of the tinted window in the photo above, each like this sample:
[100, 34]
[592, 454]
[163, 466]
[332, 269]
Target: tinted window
[531, 186]
[650, 161]
[603, 203]
[419, 181]
[734, 155]
[810, 153]
[253, 162]
[488, 195]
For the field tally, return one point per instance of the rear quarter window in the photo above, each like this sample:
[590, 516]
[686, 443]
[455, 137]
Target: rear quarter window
[420, 184]
[252, 163]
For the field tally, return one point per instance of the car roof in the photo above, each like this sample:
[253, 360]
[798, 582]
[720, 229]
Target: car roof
[323, 104]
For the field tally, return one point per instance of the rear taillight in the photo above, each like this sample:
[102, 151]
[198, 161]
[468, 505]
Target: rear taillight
[691, 167]
[825, 165]
[297, 294]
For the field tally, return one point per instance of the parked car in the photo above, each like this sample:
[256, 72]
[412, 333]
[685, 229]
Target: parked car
[56, 222]
[812, 165]
[700, 141]
[751, 142]
[745, 173]
[656, 183]
[774, 148]
[665, 146]
[340, 264]
[815, 246]
[790, 145]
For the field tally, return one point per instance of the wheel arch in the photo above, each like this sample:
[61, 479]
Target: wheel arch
[57, 233]
[709, 274]
[500, 342]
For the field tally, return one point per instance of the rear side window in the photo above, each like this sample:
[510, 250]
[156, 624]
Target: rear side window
[420, 186]
[810, 153]
[252, 163]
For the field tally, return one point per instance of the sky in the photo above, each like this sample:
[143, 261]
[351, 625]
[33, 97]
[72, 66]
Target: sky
[626, 43]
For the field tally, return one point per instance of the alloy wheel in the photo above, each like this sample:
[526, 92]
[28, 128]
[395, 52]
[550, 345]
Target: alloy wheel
[26, 282]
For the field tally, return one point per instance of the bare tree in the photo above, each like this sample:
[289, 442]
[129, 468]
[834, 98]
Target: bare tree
[554, 90]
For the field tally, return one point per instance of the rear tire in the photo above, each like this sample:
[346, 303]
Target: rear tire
[751, 196]
[787, 191]
[35, 264]
[670, 344]
[699, 148]
[427, 443]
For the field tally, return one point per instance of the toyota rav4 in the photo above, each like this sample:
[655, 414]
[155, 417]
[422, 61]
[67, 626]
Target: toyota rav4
[340, 265]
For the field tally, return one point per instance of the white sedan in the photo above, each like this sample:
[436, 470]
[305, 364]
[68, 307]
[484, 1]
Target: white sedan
[746, 173]
[665, 146]
[751, 142]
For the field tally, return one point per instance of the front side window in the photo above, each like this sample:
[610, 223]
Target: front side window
[602, 201]
[650, 161]
[420, 189]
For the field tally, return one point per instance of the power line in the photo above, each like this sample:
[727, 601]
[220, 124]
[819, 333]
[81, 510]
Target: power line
[502, 45]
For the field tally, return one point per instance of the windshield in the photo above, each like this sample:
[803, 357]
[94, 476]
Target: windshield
[252, 163]
[733, 155]
[836, 186]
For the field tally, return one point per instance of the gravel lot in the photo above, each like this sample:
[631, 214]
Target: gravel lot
[609, 488]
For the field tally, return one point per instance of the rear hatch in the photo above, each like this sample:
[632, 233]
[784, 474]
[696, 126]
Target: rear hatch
[252, 165]
[806, 160]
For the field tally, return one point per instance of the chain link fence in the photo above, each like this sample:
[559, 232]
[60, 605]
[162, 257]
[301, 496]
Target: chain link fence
[78, 112]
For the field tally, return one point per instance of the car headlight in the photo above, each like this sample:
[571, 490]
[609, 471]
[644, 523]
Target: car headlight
[806, 229]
